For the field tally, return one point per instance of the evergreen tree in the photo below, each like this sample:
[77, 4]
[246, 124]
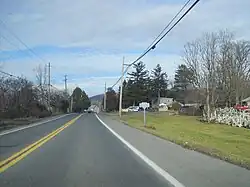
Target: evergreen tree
[159, 82]
[80, 100]
[182, 79]
[137, 83]
[111, 100]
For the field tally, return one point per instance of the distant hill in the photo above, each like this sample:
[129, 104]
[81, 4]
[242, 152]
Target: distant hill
[97, 97]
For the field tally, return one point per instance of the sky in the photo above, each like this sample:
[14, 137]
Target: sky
[87, 39]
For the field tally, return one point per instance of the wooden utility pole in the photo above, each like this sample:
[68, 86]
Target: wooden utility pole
[105, 98]
[49, 87]
[71, 103]
[159, 99]
[121, 85]
[65, 83]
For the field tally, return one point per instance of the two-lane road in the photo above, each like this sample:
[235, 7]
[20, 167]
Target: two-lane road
[84, 153]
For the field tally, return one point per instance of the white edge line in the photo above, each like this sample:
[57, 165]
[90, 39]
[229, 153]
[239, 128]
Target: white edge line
[30, 126]
[153, 165]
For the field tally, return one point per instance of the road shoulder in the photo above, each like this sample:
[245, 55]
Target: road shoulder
[39, 122]
[189, 167]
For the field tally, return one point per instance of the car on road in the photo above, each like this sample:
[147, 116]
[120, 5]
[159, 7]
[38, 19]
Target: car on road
[133, 109]
[90, 110]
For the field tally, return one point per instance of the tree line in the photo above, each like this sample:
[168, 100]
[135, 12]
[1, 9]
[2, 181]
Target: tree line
[140, 85]
[214, 73]
[143, 85]
[20, 97]
[220, 66]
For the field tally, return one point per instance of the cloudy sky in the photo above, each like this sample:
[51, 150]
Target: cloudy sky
[86, 39]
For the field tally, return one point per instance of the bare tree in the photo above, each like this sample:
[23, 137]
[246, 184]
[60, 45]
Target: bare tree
[242, 67]
[41, 78]
[221, 68]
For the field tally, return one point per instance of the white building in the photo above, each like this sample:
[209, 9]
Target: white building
[164, 103]
[247, 100]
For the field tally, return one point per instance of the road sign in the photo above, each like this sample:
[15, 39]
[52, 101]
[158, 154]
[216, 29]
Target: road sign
[144, 105]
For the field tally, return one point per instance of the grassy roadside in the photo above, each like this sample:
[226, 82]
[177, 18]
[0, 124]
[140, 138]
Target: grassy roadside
[225, 142]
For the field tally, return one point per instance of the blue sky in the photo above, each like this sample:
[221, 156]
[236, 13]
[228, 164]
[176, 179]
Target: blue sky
[86, 39]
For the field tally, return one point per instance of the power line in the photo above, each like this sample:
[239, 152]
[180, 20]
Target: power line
[26, 46]
[55, 88]
[14, 45]
[152, 46]
[11, 75]
[116, 82]
[187, 11]
[171, 21]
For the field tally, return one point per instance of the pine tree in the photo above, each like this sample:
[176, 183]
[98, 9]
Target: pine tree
[182, 79]
[80, 100]
[137, 83]
[112, 100]
[159, 82]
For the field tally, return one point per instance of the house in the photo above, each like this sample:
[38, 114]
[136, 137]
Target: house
[247, 101]
[163, 102]
[196, 105]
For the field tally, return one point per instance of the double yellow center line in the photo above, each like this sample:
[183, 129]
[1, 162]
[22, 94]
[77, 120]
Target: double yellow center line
[5, 164]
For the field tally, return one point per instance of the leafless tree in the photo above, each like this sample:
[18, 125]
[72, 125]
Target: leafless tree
[221, 68]
[41, 78]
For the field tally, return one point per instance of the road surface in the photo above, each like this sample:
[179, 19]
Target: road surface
[76, 153]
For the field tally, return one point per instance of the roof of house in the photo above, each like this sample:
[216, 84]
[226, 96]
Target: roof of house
[246, 100]
[166, 100]
[163, 100]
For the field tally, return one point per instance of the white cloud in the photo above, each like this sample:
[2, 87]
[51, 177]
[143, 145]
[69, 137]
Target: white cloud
[89, 72]
[119, 24]
[122, 25]
[98, 83]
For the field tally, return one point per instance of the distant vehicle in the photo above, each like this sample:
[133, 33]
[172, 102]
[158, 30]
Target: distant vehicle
[133, 109]
[90, 110]
[241, 107]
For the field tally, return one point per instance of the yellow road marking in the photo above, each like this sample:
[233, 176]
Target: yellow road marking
[5, 164]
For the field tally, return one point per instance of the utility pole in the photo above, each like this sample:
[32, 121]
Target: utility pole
[105, 97]
[49, 87]
[71, 104]
[120, 100]
[65, 83]
[158, 99]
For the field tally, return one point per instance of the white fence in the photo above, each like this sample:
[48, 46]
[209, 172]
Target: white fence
[232, 117]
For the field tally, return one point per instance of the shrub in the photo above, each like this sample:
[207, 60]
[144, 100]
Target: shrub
[191, 111]
[176, 106]
[44, 113]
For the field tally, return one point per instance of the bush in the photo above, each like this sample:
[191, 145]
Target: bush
[152, 109]
[190, 111]
[13, 113]
[44, 113]
[176, 106]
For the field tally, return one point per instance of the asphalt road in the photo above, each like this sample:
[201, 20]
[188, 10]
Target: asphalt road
[13, 142]
[83, 154]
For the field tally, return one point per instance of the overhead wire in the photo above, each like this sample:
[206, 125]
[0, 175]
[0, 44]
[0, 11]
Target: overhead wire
[17, 77]
[23, 43]
[11, 75]
[171, 21]
[14, 45]
[152, 46]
